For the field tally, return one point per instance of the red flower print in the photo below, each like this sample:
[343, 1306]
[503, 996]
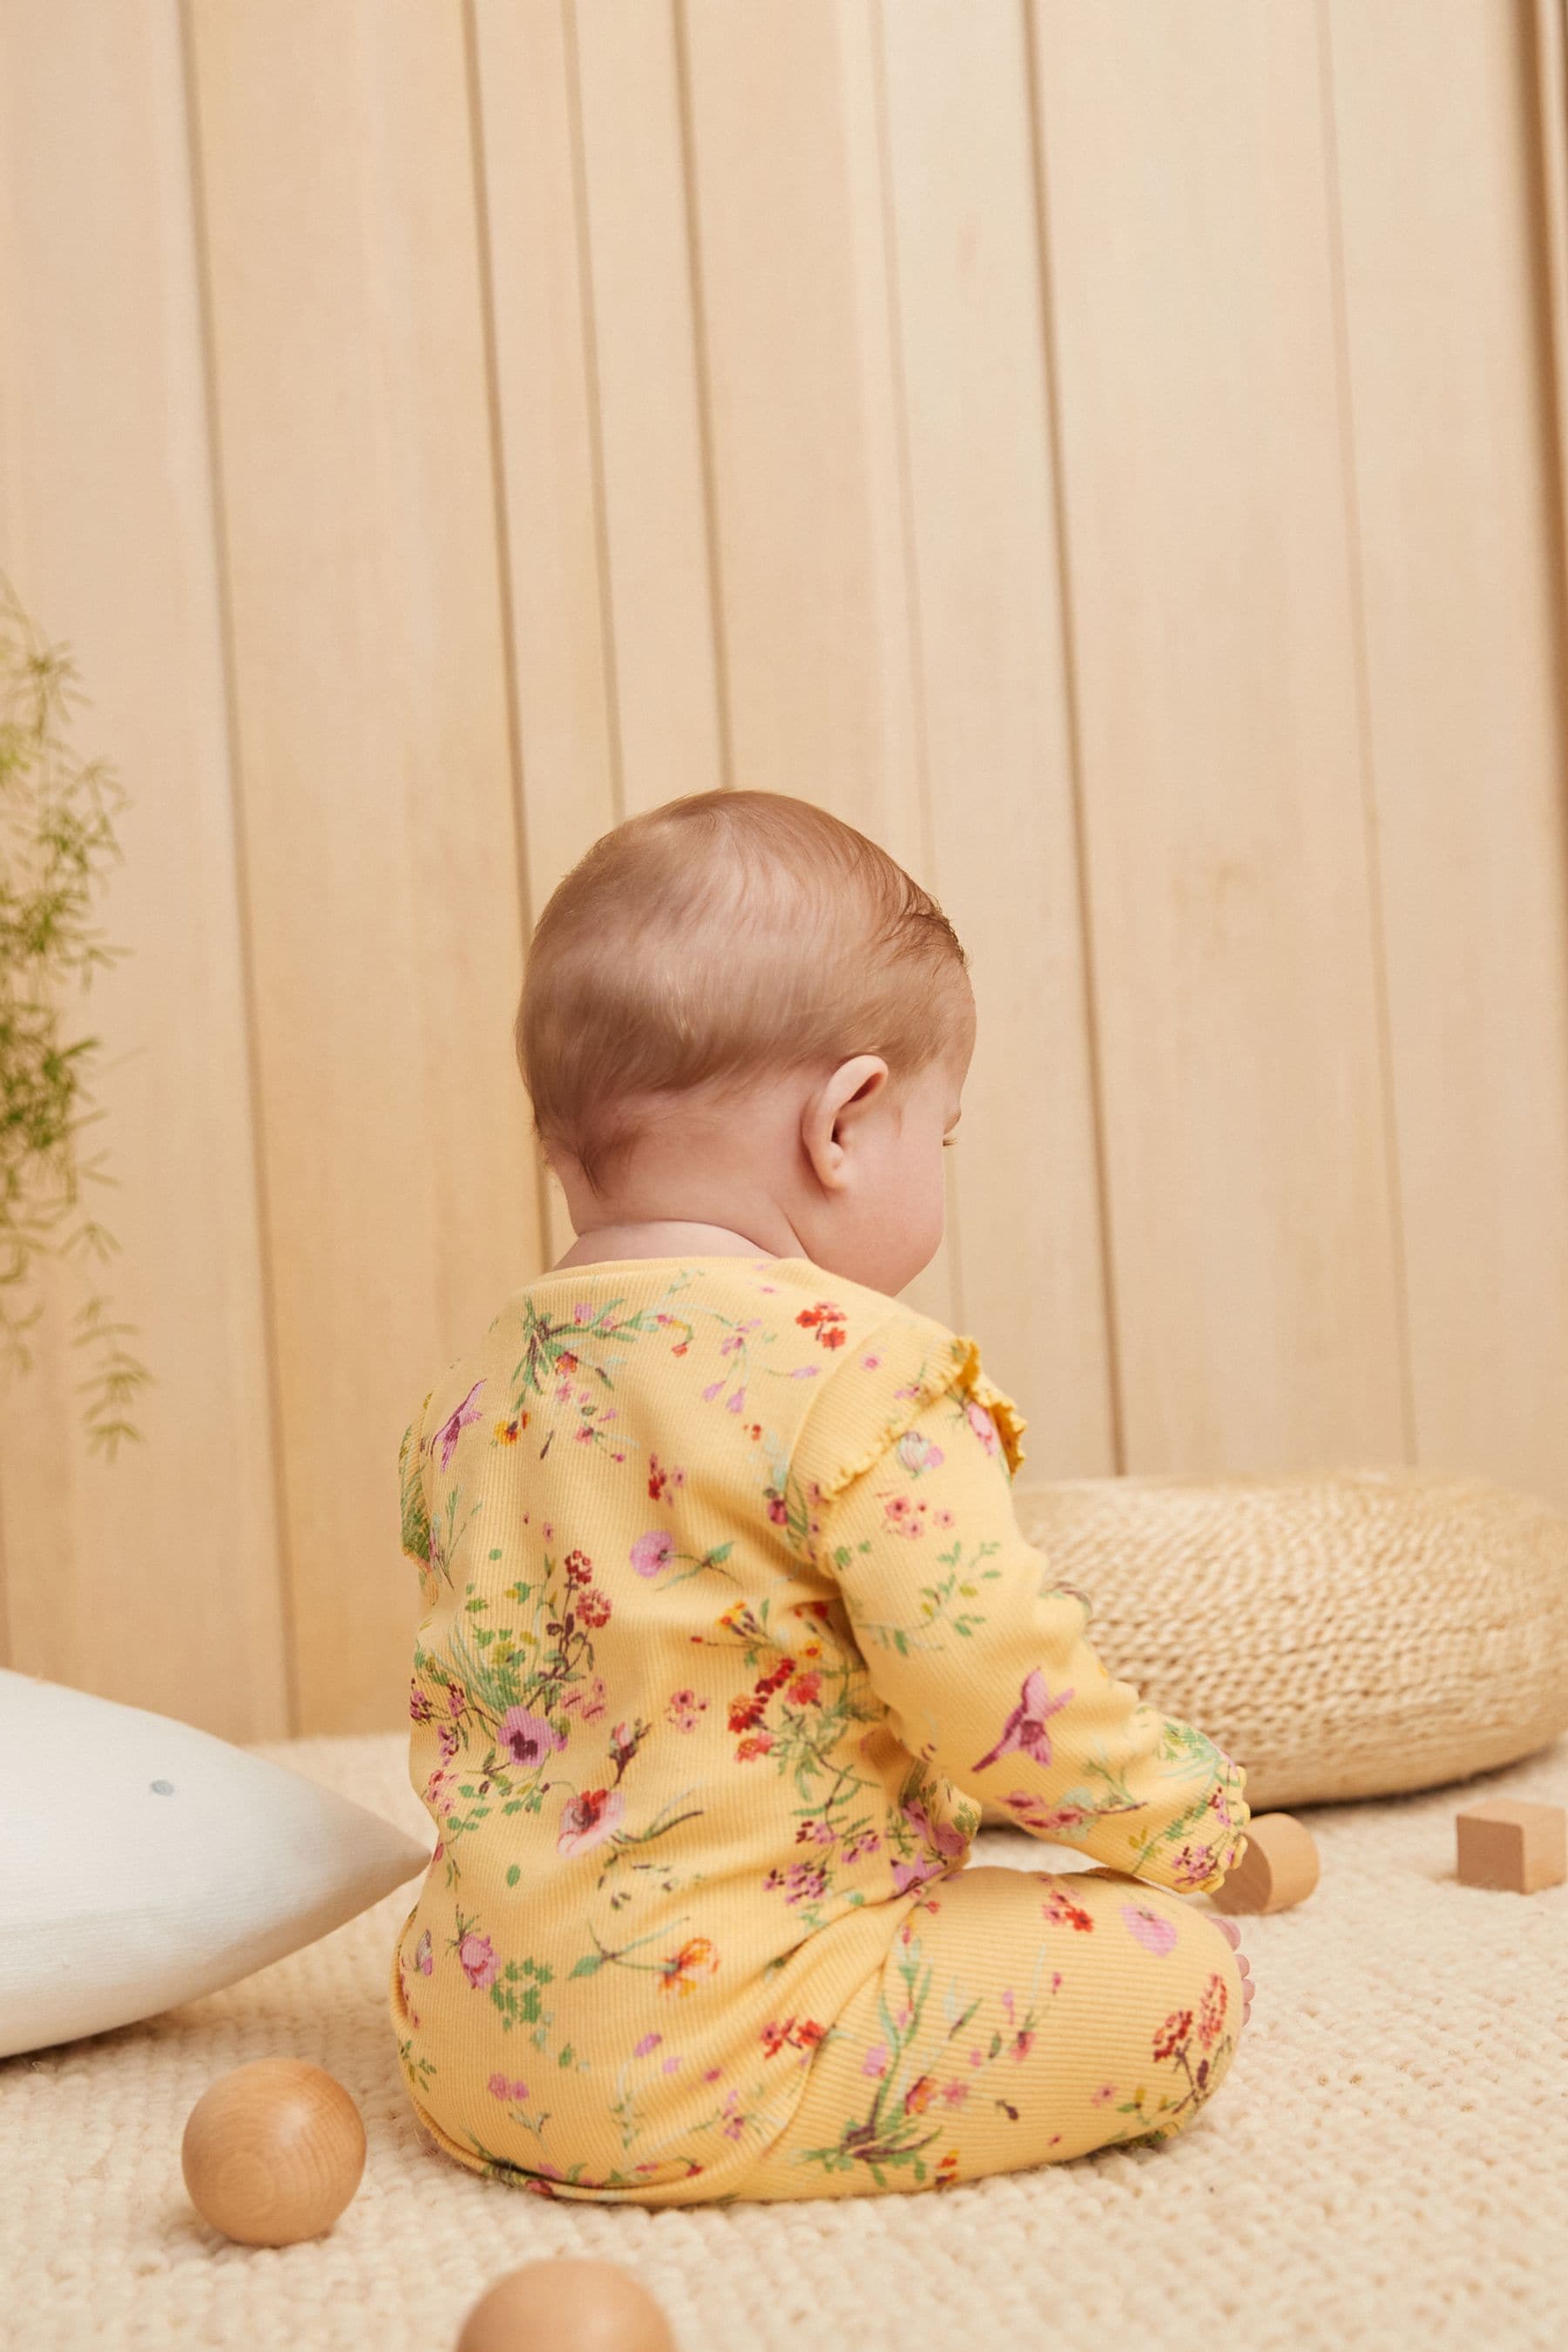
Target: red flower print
[661, 1480]
[806, 1690]
[918, 2097]
[791, 2036]
[825, 1321]
[1212, 2009]
[478, 1960]
[579, 1568]
[593, 1607]
[1173, 2034]
[755, 1744]
[1061, 1911]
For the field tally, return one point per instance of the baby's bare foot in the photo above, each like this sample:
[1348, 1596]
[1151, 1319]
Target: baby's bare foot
[1232, 1934]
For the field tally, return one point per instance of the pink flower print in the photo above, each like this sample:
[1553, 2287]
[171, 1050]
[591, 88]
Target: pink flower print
[583, 1311]
[447, 1742]
[874, 2062]
[1022, 2044]
[499, 2086]
[650, 2041]
[870, 1363]
[1152, 1929]
[1212, 2009]
[588, 1819]
[947, 1839]
[1193, 1865]
[954, 2094]
[425, 1959]
[685, 1709]
[737, 1403]
[585, 1700]
[917, 1453]
[1046, 1821]
[1024, 1729]
[1103, 2096]
[909, 1875]
[671, 2065]
[711, 1390]
[652, 1552]
[527, 1738]
[478, 1960]
[452, 1428]
[515, 2093]
[903, 1515]
[419, 1705]
[985, 1428]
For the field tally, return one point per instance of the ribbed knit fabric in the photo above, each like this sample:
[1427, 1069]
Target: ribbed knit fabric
[728, 1627]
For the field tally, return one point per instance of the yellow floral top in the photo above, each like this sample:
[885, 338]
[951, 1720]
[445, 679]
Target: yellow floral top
[727, 1626]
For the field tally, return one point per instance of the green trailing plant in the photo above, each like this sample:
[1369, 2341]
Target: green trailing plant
[57, 845]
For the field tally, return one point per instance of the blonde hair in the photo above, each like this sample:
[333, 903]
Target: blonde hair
[713, 940]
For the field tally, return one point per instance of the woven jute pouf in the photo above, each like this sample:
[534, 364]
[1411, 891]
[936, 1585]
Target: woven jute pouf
[1343, 1636]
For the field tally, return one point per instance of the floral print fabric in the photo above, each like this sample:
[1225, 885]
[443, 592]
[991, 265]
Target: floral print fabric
[727, 1624]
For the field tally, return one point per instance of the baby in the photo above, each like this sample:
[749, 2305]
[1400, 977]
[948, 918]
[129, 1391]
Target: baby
[728, 1627]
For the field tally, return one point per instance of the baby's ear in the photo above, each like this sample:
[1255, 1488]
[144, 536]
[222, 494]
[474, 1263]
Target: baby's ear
[834, 1110]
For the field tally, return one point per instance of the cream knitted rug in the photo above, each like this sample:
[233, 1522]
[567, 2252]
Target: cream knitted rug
[1387, 2167]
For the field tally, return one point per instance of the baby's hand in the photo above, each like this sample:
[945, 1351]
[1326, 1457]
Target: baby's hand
[1232, 1934]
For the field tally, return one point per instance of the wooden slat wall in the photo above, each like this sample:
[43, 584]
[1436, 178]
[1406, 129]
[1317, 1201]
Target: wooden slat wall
[157, 1579]
[1123, 474]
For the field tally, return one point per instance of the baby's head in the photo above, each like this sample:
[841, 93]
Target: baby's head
[739, 1011]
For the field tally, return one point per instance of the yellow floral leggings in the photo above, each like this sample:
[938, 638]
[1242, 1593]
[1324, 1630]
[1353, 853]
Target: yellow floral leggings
[1019, 2019]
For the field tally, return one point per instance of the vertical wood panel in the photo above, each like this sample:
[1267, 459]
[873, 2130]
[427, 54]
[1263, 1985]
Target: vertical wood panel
[812, 562]
[1449, 367]
[155, 1579]
[995, 704]
[645, 355]
[339, 183]
[1255, 1263]
[549, 437]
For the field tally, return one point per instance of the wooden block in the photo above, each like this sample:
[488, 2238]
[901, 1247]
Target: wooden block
[1514, 1846]
[1278, 1868]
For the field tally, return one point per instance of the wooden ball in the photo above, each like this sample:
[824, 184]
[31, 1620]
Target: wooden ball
[273, 2152]
[1278, 1868]
[567, 2307]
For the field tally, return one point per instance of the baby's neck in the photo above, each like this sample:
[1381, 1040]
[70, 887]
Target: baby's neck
[667, 1237]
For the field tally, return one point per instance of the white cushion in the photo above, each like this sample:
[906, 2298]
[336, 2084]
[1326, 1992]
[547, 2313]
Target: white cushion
[143, 1863]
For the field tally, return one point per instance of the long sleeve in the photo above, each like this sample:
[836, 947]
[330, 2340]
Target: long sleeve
[993, 1679]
